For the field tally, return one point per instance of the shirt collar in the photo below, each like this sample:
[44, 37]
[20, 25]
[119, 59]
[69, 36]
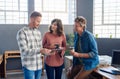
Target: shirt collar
[81, 34]
[32, 28]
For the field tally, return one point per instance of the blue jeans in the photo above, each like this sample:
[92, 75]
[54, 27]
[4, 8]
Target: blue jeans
[51, 71]
[29, 74]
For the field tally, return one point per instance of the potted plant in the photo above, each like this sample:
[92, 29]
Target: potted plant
[70, 41]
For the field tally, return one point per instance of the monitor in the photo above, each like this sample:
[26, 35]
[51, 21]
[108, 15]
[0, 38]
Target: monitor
[115, 58]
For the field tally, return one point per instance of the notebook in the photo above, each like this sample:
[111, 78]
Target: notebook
[115, 62]
[110, 70]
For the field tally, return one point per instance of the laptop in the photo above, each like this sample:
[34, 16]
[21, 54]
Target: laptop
[115, 62]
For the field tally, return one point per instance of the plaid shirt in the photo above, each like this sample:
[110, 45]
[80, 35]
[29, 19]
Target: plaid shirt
[30, 43]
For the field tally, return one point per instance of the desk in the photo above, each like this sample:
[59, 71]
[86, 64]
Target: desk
[107, 75]
[11, 54]
[68, 63]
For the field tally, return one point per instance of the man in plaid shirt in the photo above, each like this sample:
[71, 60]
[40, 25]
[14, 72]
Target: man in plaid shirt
[30, 45]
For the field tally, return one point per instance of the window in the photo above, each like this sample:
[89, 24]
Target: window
[62, 9]
[13, 12]
[106, 18]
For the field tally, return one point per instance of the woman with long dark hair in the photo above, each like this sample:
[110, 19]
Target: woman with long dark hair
[55, 40]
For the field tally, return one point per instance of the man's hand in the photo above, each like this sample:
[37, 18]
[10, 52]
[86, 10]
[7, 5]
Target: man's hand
[71, 52]
[47, 51]
[75, 54]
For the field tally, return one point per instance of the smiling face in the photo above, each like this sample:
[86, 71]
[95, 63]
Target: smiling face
[80, 24]
[54, 26]
[78, 28]
[35, 21]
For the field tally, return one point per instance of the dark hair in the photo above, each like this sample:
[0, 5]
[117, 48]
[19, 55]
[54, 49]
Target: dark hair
[59, 26]
[36, 14]
[81, 20]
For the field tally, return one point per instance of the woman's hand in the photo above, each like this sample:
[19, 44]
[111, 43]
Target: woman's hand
[52, 46]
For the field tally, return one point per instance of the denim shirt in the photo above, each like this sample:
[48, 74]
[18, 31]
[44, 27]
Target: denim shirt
[89, 46]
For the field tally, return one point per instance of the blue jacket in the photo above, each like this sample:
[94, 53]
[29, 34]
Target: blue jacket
[88, 45]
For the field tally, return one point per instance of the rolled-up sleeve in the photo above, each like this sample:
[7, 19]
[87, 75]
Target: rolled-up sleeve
[93, 47]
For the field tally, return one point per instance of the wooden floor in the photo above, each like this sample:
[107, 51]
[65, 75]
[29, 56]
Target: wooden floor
[20, 76]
